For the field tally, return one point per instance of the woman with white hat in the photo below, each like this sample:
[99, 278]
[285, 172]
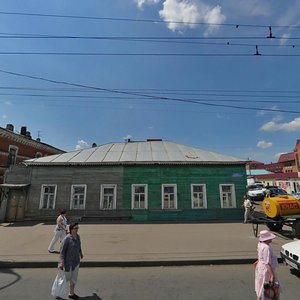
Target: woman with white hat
[266, 265]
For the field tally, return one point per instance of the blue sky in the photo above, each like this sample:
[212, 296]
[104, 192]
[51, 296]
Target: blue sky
[183, 71]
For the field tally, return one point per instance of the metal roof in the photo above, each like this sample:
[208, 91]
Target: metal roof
[149, 152]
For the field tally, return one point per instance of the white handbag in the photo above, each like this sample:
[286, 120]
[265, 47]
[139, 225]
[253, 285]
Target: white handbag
[59, 287]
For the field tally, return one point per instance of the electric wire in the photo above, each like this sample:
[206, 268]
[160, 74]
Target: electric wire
[235, 25]
[147, 96]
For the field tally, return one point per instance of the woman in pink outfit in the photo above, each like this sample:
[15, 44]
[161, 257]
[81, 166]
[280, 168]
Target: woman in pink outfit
[266, 264]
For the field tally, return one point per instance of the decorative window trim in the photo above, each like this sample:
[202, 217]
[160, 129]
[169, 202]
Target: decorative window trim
[133, 194]
[204, 196]
[16, 148]
[233, 195]
[73, 186]
[162, 196]
[43, 193]
[103, 186]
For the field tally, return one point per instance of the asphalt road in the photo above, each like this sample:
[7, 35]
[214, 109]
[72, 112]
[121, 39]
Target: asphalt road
[176, 283]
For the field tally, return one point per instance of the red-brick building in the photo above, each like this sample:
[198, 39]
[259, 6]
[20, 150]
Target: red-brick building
[17, 147]
[285, 173]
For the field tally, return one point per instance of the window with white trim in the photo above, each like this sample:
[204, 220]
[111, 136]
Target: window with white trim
[139, 198]
[78, 196]
[227, 196]
[12, 155]
[48, 196]
[169, 196]
[198, 192]
[108, 196]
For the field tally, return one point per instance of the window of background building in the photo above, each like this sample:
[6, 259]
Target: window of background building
[198, 192]
[169, 196]
[227, 196]
[48, 196]
[12, 155]
[108, 196]
[78, 196]
[139, 196]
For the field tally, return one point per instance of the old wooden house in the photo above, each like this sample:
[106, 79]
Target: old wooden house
[146, 181]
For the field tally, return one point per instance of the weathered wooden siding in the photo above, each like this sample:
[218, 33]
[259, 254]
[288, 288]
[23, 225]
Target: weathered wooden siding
[64, 177]
[184, 176]
[18, 174]
[124, 176]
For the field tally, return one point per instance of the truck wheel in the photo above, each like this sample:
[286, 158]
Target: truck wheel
[276, 227]
[296, 229]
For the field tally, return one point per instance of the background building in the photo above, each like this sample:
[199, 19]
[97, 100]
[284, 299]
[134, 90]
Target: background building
[148, 181]
[17, 147]
[284, 173]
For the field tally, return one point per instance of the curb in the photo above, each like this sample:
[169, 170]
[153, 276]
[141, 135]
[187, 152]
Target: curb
[120, 264]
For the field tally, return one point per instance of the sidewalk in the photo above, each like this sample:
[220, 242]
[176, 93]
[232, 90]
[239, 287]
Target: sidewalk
[24, 245]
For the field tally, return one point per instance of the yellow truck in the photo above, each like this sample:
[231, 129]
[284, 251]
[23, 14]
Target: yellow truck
[279, 209]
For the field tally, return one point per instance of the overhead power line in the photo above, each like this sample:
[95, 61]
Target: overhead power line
[236, 25]
[149, 54]
[146, 96]
[170, 40]
[143, 98]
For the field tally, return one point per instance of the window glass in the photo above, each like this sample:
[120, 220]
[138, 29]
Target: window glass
[48, 196]
[227, 195]
[139, 196]
[198, 196]
[169, 196]
[12, 156]
[78, 196]
[108, 197]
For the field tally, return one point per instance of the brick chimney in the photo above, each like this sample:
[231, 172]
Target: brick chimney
[23, 130]
[10, 127]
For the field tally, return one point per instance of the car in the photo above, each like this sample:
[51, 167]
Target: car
[290, 254]
[296, 195]
[256, 192]
[276, 191]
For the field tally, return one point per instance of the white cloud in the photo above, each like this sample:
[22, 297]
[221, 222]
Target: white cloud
[81, 144]
[264, 112]
[140, 3]
[277, 155]
[264, 144]
[249, 8]
[289, 126]
[284, 37]
[291, 15]
[187, 12]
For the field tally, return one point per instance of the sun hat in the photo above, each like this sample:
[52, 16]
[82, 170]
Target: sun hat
[266, 235]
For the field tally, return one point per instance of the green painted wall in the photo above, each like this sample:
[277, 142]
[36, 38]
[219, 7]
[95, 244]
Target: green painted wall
[184, 176]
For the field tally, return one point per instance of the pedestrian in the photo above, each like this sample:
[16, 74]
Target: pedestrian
[265, 266]
[248, 209]
[60, 230]
[70, 255]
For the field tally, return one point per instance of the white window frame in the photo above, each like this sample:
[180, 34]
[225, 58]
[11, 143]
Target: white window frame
[133, 196]
[163, 196]
[43, 193]
[232, 192]
[103, 186]
[15, 158]
[73, 193]
[204, 196]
